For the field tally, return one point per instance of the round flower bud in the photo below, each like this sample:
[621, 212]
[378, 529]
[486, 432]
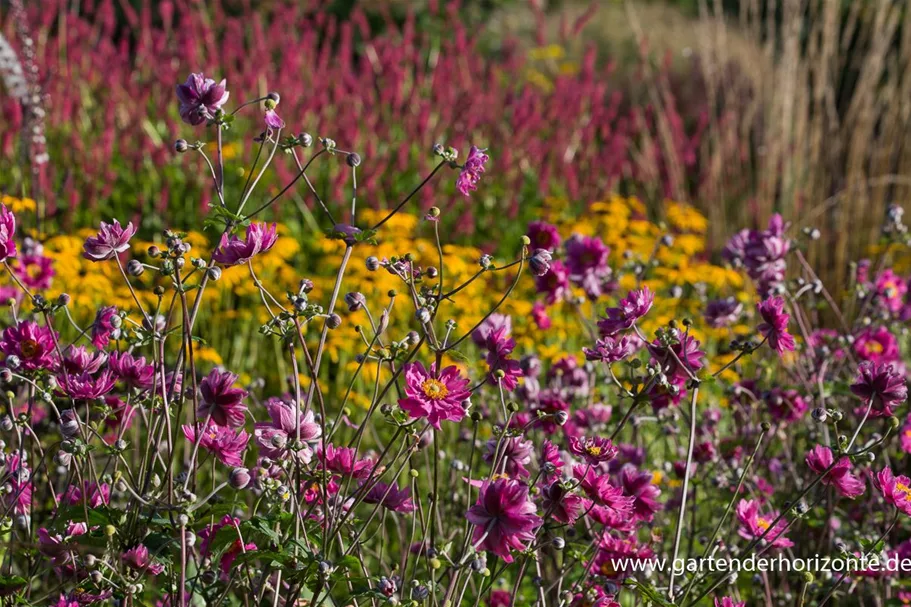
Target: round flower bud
[526, 240]
[135, 268]
[820, 415]
[305, 139]
[240, 478]
[559, 543]
[355, 301]
[422, 315]
[561, 417]
[540, 262]
[6, 376]
[213, 273]
[6, 424]
[69, 423]
[13, 361]
[181, 146]
[333, 321]
[273, 97]
[183, 520]
[766, 426]
[372, 263]
[353, 160]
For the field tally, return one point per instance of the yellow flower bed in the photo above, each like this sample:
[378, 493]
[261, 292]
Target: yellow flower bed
[232, 310]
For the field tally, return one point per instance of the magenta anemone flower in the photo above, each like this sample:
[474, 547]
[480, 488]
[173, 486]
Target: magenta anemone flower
[200, 98]
[470, 174]
[504, 518]
[110, 240]
[754, 525]
[728, 602]
[282, 416]
[234, 251]
[391, 497]
[634, 306]
[563, 506]
[436, 397]
[775, 324]
[222, 400]
[555, 283]
[594, 450]
[499, 347]
[612, 350]
[7, 233]
[514, 454]
[877, 345]
[35, 271]
[86, 386]
[492, 323]
[586, 259]
[685, 351]
[723, 312]
[103, 327]
[19, 478]
[343, 461]
[134, 371]
[224, 443]
[645, 493]
[877, 381]
[273, 120]
[91, 493]
[820, 458]
[543, 235]
[138, 559]
[78, 359]
[890, 290]
[895, 489]
[614, 552]
[601, 491]
[34, 345]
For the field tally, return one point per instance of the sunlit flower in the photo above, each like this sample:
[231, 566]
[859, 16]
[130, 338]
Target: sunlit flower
[200, 98]
[504, 518]
[110, 240]
[437, 397]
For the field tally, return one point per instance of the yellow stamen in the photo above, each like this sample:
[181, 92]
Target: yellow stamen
[434, 389]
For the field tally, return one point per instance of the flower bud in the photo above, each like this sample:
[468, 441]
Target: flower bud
[372, 263]
[135, 268]
[334, 321]
[559, 543]
[69, 423]
[274, 97]
[181, 146]
[540, 262]
[422, 315]
[353, 160]
[305, 139]
[240, 478]
[355, 301]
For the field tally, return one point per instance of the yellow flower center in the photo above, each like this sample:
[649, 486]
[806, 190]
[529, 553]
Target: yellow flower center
[29, 348]
[434, 389]
[764, 524]
[593, 450]
[875, 346]
[904, 489]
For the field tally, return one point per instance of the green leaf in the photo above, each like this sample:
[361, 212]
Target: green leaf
[11, 584]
